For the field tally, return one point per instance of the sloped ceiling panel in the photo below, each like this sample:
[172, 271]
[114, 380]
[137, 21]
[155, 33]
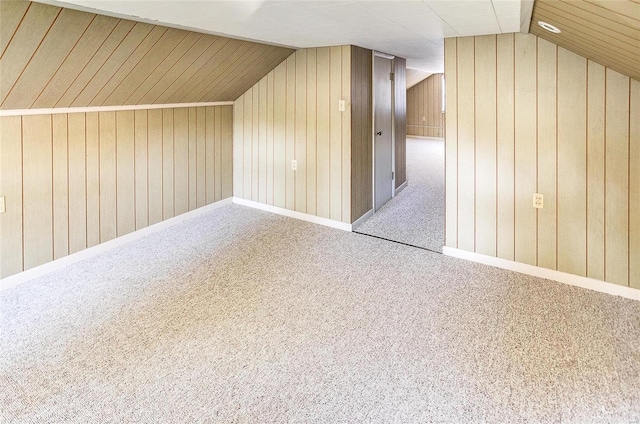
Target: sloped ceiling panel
[58, 57]
[605, 31]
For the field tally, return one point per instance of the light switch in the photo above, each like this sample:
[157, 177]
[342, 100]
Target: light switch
[3, 207]
[342, 105]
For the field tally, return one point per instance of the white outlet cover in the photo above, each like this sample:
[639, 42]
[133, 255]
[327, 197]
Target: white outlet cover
[538, 200]
[3, 207]
[294, 165]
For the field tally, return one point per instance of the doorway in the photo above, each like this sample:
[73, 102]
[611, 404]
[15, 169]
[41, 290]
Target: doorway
[383, 131]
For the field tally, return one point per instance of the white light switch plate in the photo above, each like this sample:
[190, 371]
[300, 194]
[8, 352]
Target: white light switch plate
[342, 105]
[3, 207]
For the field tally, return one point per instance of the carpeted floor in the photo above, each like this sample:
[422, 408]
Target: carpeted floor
[416, 215]
[243, 316]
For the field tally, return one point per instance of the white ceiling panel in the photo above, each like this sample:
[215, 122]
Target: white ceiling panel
[414, 29]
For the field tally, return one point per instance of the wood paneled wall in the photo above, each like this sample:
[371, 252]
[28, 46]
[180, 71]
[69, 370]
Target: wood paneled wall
[58, 57]
[292, 113]
[361, 132]
[526, 116]
[72, 181]
[424, 108]
[400, 119]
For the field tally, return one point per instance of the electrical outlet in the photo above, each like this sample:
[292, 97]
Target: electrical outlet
[342, 105]
[3, 207]
[294, 165]
[424, 119]
[538, 200]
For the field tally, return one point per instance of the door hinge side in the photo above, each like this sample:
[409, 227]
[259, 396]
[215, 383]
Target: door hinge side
[393, 175]
[391, 76]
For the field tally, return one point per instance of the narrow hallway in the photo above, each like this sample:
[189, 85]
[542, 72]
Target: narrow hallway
[416, 215]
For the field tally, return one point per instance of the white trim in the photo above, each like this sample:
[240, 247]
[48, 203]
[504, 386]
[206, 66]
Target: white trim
[293, 214]
[526, 12]
[549, 274]
[402, 187]
[90, 252]
[358, 222]
[56, 110]
[385, 55]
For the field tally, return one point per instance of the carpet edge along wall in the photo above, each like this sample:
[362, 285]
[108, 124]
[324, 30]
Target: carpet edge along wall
[526, 116]
[73, 181]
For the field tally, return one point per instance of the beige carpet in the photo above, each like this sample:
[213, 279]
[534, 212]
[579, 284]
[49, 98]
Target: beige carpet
[242, 316]
[416, 215]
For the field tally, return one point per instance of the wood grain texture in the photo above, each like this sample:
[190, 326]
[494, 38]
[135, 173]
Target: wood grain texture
[604, 31]
[566, 127]
[525, 149]
[53, 57]
[634, 186]
[451, 141]
[617, 179]
[595, 170]
[486, 145]
[400, 119]
[93, 176]
[37, 190]
[572, 170]
[11, 174]
[424, 100]
[547, 143]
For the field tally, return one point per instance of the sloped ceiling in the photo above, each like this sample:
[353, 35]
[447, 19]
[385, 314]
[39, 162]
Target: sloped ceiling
[607, 32]
[58, 57]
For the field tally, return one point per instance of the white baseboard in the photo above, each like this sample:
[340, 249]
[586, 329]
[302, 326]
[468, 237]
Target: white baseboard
[293, 214]
[361, 220]
[402, 187]
[90, 252]
[549, 274]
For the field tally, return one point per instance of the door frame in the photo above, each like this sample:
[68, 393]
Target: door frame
[373, 127]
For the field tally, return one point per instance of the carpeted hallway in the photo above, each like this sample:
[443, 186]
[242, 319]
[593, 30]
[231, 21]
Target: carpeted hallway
[416, 215]
[242, 316]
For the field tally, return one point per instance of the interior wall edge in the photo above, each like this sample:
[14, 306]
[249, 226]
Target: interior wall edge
[54, 111]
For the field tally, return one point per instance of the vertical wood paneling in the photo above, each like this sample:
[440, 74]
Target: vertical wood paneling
[168, 170]
[595, 170]
[212, 149]
[525, 149]
[279, 134]
[247, 143]
[485, 130]
[400, 119]
[11, 172]
[323, 138]
[226, 133]
[77, 182]
[238, 147]
[60, 186]
[301, 114]
[193, 159]
[466, 144]
[335, 125]
[564, 129]
[547, 124]
[93, 178]
[201, 157]
[424, 100]
[181, 160]
[290, 133]
[108, 174]
[269, 129]
[505, 62]
[262, 141]
[125, 172]
[255, 144]
[156, 165]
[311, 127]
[572, 170]
[634, 186]
[451, 142]
[617, 179]
[346, 133]
[141, 188]
[37, 190]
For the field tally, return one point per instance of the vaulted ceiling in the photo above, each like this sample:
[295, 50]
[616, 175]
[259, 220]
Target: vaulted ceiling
[58, 57]
[605, 31]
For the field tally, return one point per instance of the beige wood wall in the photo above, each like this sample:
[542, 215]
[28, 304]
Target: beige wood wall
[361, 132]
[424, 108]
[528, 116]
[72, 181]
[59, 57]
[292, 113]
